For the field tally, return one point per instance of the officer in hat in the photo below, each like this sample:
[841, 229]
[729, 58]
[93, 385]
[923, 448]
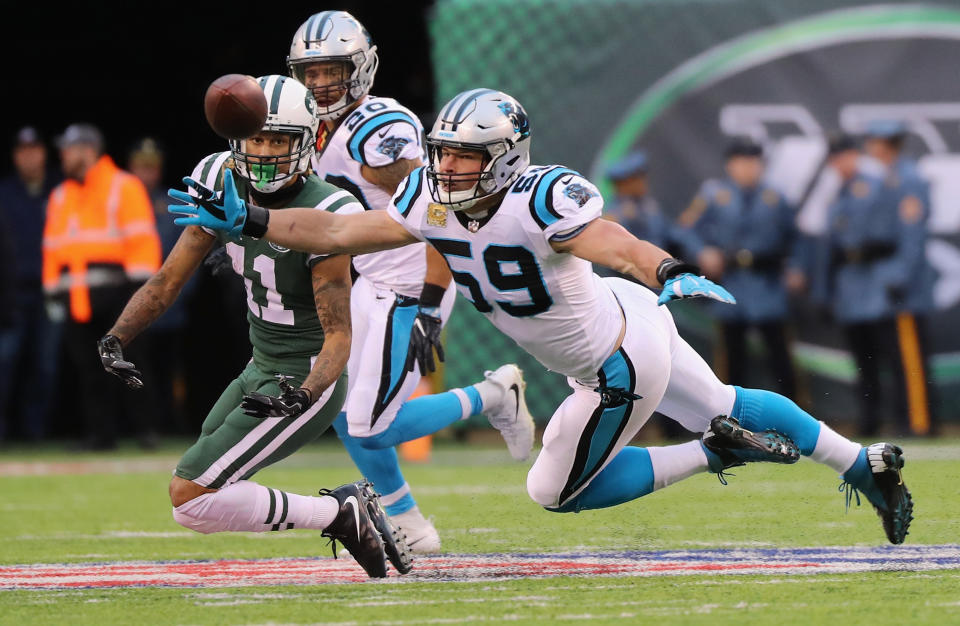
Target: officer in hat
[748, 240]
[639, 212]
[906, 192]
[29, 340]
[865, 276]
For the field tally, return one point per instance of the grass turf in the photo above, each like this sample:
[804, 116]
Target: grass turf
[480, 505]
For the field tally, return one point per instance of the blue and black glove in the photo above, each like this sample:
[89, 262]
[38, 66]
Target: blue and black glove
[224, 210]
[425, 335]
[681, 280]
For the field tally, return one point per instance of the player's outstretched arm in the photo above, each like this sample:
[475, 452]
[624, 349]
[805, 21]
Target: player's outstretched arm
[609, 244]
[157, 294]
[150, 301]
[305, 229]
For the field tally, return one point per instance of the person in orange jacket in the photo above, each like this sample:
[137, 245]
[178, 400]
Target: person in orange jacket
[100, 244]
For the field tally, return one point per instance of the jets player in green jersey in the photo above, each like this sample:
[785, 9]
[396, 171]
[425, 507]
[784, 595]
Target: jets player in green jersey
[295, 383]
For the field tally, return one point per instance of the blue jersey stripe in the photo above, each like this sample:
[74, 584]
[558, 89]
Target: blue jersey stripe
[541, 200]
[366, 129]
[410, 192]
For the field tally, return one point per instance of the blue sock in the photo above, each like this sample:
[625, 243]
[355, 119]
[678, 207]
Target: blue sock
[757, 410]
[424, 416]
[628, 477]
[381, 467]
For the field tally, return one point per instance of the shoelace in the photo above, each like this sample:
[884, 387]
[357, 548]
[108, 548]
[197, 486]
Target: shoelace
[333, 542]
[849, 493]
[722, 474]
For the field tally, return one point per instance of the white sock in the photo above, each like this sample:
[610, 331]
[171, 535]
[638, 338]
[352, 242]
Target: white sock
[248, 506]
[834, 450]
[491, 394]
[674, 463]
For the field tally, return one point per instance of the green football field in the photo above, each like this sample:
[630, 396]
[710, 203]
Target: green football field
[98, 509]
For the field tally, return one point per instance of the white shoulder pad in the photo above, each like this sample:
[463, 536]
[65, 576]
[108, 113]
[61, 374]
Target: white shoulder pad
[383, 132]
[562, 202]
[207, 173]
[391, 143]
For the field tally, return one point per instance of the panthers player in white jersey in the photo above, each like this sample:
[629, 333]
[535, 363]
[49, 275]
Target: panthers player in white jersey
[519, 240]
[367, 145]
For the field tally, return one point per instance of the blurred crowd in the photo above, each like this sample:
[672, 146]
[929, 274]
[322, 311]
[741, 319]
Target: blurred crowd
[864, 269]
[78, 238]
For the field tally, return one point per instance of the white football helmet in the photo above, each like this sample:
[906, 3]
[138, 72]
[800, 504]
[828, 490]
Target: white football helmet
[480, 119]
[335, 36]
[292, 110]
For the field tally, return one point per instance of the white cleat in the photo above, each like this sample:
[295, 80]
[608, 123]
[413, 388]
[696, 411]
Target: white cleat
[509, 415]
[422, 537]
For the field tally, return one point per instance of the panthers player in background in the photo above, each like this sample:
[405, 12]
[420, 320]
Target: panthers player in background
[520, 240]
[299, 316]
[403, 297]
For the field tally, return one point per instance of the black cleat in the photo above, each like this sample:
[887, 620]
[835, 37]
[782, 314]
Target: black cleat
[735, 445]
[889, 495]
[394, 541]
[354, 528]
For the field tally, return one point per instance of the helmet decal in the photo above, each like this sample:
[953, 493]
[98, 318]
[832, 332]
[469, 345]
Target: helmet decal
[516, 115]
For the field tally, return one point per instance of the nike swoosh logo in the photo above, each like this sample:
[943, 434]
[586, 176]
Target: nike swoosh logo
[516, 396]
[352, 500]
[383, 134]
[566, 180]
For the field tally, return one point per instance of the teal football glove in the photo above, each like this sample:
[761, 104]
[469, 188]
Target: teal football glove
[690, 286]
[223, 210]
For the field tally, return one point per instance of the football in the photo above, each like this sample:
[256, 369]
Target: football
[235, 106]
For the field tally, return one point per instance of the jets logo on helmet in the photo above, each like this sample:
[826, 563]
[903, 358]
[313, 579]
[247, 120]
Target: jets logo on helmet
[487, 121]
[290, 110]
[340, 42]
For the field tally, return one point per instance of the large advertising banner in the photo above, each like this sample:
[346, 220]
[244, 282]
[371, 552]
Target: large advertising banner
[678, 79]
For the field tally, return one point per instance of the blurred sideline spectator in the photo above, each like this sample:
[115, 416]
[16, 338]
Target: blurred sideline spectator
[638, 211]
[163, 343]
[864, 275]
[29, 340]
[100, 243]
[748, 239]
[908, 195]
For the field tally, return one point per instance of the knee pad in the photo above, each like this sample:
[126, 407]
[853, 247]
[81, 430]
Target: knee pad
[182, 515]
[542, 492]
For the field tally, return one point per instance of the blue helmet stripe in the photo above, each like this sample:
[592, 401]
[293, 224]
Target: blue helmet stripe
[324, 18]
[309, 27]
[472, 96]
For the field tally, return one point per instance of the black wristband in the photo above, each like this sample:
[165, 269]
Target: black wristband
[257, 220]
[671, 267]
[432, 295]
